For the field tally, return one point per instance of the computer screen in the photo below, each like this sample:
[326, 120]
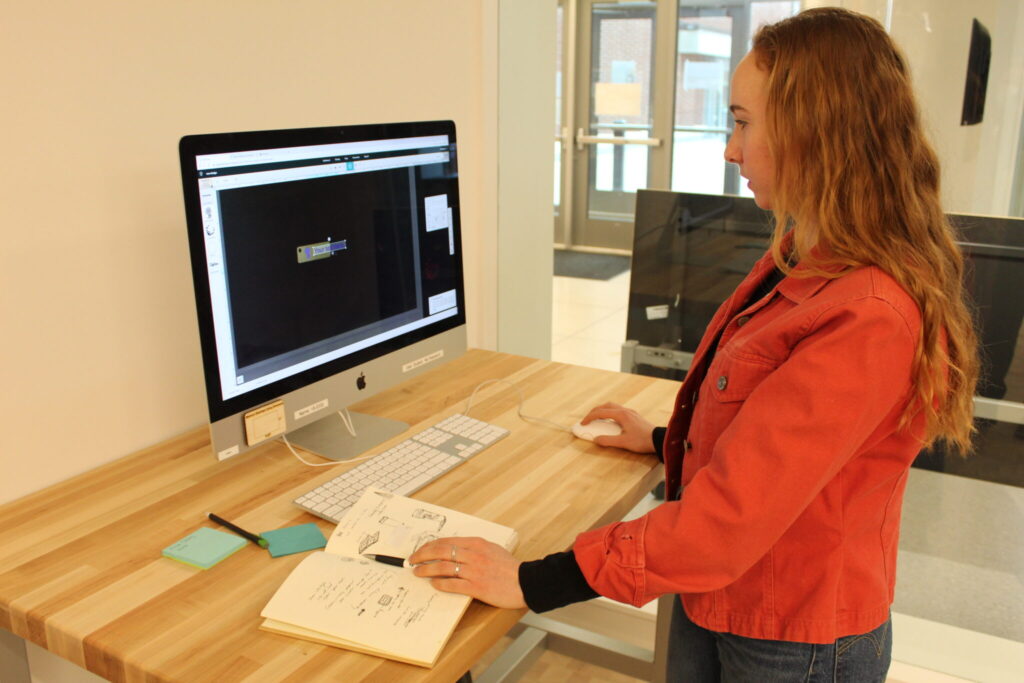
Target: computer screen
[327, 266]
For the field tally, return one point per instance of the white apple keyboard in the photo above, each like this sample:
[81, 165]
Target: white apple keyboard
[405, 467]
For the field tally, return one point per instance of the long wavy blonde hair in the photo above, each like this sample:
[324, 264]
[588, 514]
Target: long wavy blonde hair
[856, 176]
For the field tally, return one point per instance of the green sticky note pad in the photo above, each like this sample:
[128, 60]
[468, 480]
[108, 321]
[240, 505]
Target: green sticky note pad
[204, 547]
[294, 539]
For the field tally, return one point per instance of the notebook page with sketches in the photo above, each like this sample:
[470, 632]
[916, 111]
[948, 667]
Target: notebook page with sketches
[337, 597]
[383, 523]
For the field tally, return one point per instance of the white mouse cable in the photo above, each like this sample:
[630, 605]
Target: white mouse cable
[519, 409]
[351, 429]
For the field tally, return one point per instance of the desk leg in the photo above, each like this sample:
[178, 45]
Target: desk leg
[659, 669]
[13, 659]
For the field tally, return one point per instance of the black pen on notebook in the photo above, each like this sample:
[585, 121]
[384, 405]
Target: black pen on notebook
[258, 540]
[388, 559]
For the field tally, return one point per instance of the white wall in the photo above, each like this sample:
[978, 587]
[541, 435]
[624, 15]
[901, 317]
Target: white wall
[526, 115]
[101, 351]
[978, 162]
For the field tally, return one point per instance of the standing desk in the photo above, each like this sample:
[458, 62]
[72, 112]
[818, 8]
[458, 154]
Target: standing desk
[81, 572]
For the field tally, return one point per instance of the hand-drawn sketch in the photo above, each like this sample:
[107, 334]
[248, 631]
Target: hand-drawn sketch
[440, 518]
[385, 524]
[368, 540]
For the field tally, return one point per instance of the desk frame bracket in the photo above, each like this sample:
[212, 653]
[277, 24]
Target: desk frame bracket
[534, 634]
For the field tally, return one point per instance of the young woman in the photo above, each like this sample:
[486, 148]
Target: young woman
[846, 349]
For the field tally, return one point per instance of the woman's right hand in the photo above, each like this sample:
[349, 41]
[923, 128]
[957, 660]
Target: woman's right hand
[636, 431]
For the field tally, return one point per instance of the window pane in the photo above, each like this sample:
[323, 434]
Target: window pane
[698, 162]
[702, 100]
[620, 96]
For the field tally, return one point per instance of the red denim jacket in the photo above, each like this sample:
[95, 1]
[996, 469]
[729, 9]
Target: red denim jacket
[795, 467]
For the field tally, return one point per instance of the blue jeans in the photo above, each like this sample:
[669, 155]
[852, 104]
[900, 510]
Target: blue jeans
[697, 655]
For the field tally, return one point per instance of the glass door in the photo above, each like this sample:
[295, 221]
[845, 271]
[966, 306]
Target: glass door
[618, 141]
[651, 107]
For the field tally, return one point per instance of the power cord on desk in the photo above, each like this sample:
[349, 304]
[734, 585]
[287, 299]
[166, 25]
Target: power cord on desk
[347, 419]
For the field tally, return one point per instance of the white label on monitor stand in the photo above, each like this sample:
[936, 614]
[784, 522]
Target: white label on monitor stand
[228, 452]
[420, 362]
[310, 409]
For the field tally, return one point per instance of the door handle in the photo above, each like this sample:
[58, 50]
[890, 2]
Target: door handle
[582, 139]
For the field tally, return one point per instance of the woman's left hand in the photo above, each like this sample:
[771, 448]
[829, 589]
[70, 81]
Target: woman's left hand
[471, 566]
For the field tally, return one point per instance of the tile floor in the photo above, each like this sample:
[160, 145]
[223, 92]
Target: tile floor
[589, 320]
[588, 328]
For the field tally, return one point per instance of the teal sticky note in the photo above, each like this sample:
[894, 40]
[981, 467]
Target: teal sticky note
[204, 547]
[294, 539]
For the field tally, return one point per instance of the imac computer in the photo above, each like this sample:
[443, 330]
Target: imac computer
[327, 267]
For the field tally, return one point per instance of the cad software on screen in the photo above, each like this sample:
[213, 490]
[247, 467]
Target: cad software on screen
[316, 252]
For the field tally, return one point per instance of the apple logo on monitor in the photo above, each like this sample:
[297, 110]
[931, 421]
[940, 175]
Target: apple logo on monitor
[361, 382]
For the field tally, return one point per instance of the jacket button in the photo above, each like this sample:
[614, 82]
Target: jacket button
[723, 382]
[742, 321]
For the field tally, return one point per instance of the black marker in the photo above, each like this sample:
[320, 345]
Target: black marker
[258, 540]
[387, 559]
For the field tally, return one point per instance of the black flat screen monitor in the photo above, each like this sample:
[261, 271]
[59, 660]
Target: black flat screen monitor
[327, 266]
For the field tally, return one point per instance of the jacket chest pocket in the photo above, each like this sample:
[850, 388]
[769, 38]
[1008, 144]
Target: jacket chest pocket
[733, 379]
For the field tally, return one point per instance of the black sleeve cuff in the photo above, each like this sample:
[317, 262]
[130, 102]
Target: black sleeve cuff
[553, 582]
[658, 437]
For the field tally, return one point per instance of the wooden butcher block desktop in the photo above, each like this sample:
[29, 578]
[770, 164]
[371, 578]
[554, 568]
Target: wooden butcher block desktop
[81, 571]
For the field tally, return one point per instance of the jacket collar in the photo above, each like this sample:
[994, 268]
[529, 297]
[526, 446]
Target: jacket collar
[798, 286]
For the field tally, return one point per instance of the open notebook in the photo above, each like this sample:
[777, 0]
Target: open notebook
[337, 597]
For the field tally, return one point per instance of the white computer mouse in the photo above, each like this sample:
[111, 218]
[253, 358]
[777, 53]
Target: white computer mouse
[596, 428]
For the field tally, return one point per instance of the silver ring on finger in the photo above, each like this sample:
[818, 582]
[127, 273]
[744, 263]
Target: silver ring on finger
[454, 548]
[458, 568]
